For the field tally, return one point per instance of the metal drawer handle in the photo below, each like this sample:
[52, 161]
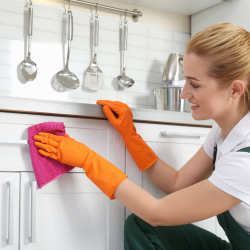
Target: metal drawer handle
[10, 238]
[32, 238]
[13, 141]
[195, 135]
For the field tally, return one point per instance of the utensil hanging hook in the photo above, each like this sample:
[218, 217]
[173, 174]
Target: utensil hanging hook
[96, 10]
[69, 6]
[125, 20]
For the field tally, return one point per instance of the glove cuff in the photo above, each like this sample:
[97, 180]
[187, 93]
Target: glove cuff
[104, 175]
[142, 154]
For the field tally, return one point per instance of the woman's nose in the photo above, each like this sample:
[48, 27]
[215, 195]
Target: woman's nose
[185, 94]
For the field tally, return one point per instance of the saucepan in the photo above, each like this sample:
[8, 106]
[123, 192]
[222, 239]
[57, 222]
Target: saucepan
[168, 98]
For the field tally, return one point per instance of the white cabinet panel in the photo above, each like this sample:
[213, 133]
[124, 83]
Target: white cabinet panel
[178, 154]
[9, 211]
[71, 213]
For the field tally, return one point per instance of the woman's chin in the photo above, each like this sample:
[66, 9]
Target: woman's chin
[197, 117]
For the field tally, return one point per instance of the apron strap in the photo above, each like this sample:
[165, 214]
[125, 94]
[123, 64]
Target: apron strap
[244, 150]
[214, 156]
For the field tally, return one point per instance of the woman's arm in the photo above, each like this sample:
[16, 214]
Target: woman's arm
[195, 203]
[163, 175]
[169, 180]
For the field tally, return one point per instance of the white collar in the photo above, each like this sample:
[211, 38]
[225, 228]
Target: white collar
[235, 137]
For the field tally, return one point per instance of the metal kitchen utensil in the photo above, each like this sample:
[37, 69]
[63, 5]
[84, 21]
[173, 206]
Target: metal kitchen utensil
[173, 68]
[94, 74]
[65, 79]
[28, 67]
[168, 98]
[123, 80]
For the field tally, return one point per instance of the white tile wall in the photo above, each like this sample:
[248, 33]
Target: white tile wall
[148, 50]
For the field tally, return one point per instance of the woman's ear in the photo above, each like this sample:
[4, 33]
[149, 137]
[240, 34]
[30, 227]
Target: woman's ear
[237, 89]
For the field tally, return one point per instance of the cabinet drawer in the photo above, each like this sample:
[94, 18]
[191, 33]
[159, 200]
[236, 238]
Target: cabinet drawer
[98, 135]
[172, 133]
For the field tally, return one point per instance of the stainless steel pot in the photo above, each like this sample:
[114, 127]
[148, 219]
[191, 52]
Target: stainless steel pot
[168, 98]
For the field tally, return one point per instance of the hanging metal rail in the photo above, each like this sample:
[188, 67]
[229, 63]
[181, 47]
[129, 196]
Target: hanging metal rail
[135, 13]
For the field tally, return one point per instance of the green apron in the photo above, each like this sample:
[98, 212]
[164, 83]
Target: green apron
[139, 235]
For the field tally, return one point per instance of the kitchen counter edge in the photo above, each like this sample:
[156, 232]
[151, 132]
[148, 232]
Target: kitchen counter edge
[85, 110]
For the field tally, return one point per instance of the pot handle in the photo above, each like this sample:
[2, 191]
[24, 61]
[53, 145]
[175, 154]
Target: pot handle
[181, 56]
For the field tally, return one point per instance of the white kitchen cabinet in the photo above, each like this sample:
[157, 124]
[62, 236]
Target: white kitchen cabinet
[9, 210]
[175, 150]
[71, 213]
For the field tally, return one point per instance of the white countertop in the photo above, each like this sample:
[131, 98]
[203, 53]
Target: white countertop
[33, 106]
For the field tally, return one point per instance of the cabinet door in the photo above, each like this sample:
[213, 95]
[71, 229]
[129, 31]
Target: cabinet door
[71, 213]
[9, 210]
[175, 150]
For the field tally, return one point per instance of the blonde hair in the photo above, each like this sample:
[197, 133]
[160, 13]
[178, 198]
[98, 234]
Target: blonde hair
[227, 48]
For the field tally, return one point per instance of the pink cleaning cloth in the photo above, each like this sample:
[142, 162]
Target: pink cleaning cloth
[46, 169]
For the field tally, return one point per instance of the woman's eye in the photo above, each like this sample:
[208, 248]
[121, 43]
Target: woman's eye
[194, 86]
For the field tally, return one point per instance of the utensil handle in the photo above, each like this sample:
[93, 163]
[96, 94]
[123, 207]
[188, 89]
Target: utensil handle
[96, 31]
[32, 237]
[195, 135]
[70, 26]
[10, 239]
[125, 37]
[30, 22]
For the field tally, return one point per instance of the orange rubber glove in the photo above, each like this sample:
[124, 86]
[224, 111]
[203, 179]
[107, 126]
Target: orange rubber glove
[104, 174]
[142, 154]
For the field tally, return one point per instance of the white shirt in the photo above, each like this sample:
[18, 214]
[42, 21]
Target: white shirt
[232, 169]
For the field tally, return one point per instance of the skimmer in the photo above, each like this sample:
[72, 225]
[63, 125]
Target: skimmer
[65, 79]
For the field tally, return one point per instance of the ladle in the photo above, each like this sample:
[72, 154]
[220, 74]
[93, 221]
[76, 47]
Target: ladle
[28, 67]
[123, 80]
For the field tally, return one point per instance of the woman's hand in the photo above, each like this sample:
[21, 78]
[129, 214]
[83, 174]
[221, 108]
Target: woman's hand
[142, 154]
[63, 149]
[119, 115]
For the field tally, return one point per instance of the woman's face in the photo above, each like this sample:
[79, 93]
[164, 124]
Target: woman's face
[213, 103]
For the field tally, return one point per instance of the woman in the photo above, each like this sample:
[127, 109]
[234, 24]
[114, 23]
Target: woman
[217, 70]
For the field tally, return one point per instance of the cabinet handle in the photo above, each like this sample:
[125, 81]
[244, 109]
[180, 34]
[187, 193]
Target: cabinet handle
[32, 238]
[13, 141]
[10, 238]
[195, 135]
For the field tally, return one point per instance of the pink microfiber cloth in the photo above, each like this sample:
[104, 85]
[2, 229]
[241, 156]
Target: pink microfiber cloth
[46, 169]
